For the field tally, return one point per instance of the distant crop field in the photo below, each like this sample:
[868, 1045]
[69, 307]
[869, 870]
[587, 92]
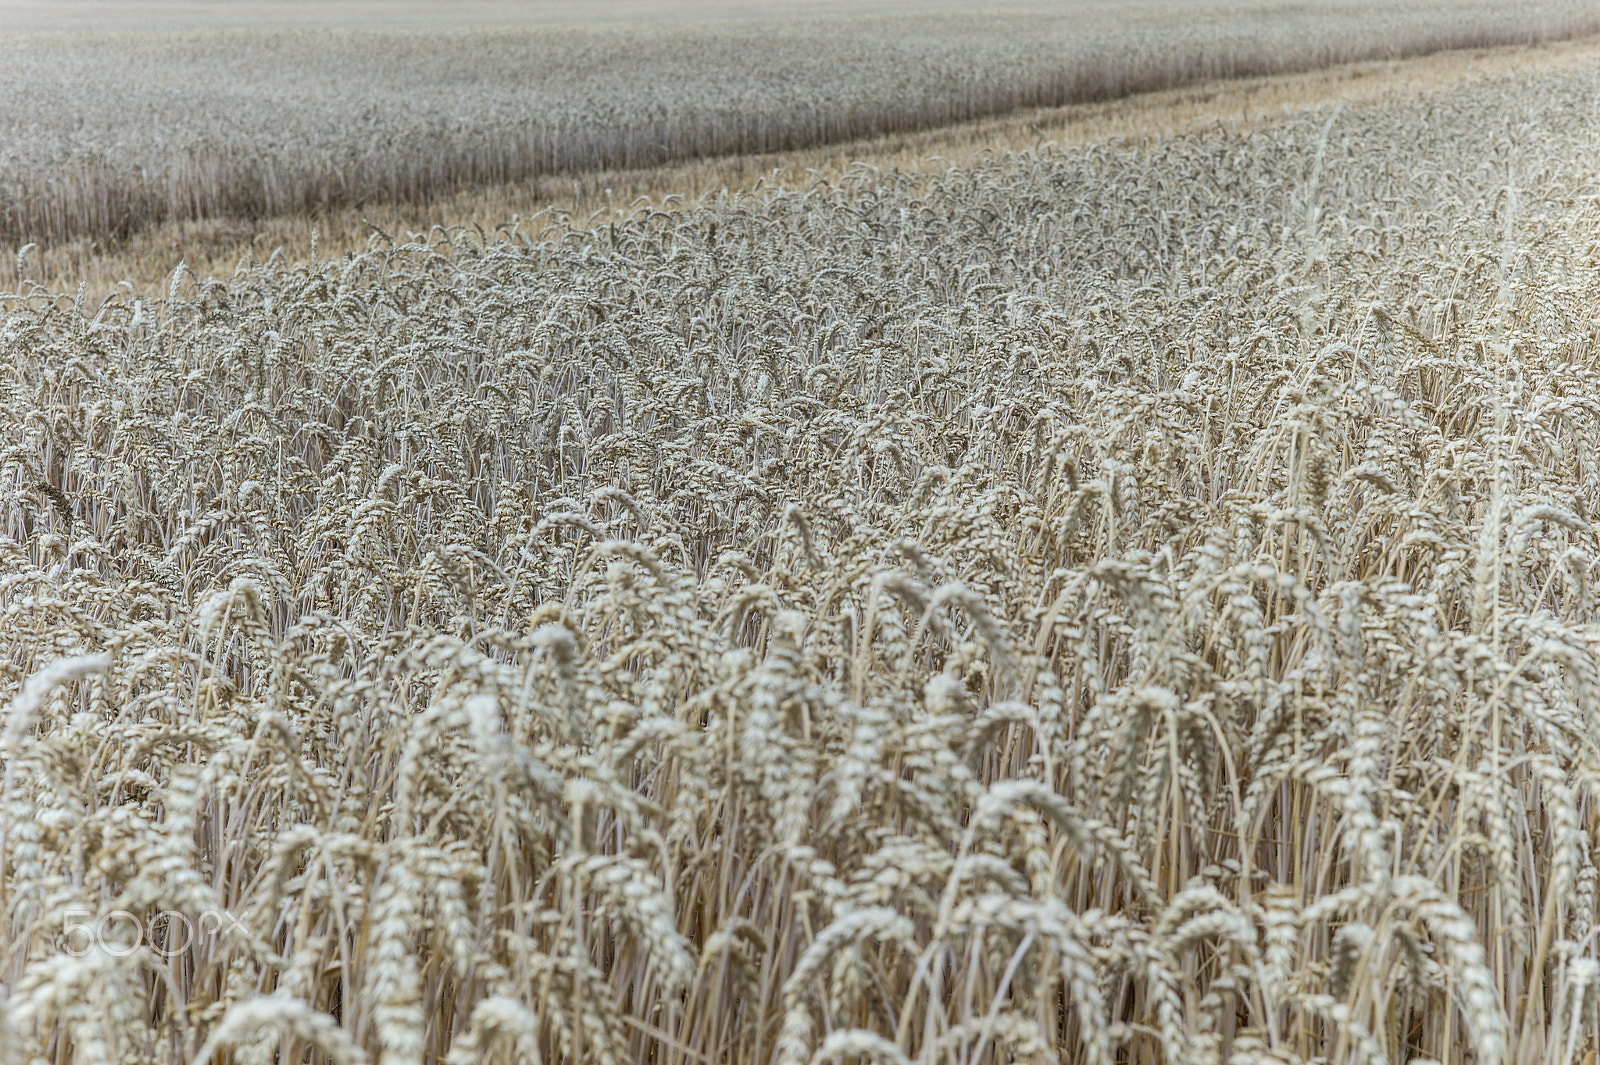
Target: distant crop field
[1119, 602]
[104, 134]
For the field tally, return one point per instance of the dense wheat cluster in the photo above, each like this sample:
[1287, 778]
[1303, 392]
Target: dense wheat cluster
[100, 136]
[1119, 604]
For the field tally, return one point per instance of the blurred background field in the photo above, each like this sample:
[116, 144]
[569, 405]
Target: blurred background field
[119, 117]
[215, 246]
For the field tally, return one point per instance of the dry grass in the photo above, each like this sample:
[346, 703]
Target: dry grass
[104, 135]
[1117, 602]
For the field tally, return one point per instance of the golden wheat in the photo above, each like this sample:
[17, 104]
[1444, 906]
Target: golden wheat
[1119, 603]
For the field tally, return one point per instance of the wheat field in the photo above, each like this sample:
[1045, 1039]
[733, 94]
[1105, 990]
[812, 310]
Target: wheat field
[1129, 601]
[105, 134]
